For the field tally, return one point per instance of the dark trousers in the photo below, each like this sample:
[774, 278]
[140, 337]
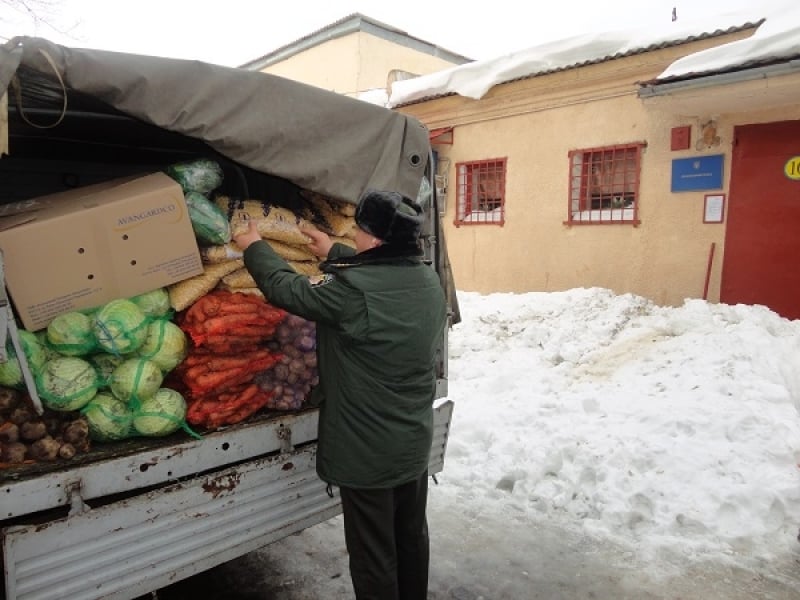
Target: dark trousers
[386, 533]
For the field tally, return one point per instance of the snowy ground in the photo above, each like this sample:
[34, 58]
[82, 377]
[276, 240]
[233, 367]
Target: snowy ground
[601, 447]
[490, 558]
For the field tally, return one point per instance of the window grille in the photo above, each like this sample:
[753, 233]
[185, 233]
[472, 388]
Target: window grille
[481, 192]
[604, 184]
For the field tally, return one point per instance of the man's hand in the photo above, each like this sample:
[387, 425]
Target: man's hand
[243, 240]
[320, 243]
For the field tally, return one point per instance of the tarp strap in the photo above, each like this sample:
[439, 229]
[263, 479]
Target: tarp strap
[18, 94]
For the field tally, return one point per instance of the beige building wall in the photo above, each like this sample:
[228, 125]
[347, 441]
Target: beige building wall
[534, 123]
[355, 63]
[330, 66]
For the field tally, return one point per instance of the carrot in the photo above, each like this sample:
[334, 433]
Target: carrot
[223, 363]
[215, 379]
[249, 333]
[197, 411]
[231, 308]
[227, 322]
[192, 373]
[195, 358]
[228, 407]
[252, 330]
[210, 307]
[249, 393]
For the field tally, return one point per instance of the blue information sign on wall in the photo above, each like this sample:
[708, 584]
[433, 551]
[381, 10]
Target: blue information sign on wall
[698, 173]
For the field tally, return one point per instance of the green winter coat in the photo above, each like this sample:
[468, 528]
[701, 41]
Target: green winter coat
[380, 316]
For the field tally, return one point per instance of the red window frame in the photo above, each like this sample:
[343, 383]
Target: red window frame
[481, 192]
[604, 185]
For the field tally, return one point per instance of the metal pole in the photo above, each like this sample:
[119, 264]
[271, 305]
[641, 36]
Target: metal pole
[708, 269]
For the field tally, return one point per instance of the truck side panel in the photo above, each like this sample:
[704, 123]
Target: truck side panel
[153, 465]
[128, 548]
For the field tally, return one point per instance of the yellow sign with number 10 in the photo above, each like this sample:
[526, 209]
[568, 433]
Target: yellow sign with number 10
[792, 168]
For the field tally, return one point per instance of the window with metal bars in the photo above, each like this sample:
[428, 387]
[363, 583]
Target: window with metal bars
[604, 184]
[481, 192]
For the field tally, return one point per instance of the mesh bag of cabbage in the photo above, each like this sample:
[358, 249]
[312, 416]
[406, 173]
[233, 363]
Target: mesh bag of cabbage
[209, 223]
[120, 327]
[202, 175]
[71, 334]
[161, 414]
[67, 383]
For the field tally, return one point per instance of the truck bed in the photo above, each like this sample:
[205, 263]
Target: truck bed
[166, 520]
[139, 463]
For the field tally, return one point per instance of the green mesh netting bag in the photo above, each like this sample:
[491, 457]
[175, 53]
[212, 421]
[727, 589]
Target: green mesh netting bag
[134, 380]
[35, 352]
[154, 303]
[202, 175]
[161, 414]
[166, 345]
[72, 334]
[109, 418]
[120, 327]
[211, 226]
[67, 383]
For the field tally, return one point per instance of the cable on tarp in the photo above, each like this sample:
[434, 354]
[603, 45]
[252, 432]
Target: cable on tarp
[15, 84]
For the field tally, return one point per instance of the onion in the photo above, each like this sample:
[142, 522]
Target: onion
[291, 379]
[306, 343]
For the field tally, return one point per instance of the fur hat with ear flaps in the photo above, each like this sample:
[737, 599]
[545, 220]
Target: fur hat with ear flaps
[389, 216]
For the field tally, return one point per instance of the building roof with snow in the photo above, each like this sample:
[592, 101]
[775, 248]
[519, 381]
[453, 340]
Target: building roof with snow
[776, 39]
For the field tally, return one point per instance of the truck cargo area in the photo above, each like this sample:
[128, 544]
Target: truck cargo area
[129, 517]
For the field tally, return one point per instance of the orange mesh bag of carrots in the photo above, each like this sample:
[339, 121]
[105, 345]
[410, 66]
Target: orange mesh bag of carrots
[221, 318]
[229, 331]
[207, 372]
[229, 407]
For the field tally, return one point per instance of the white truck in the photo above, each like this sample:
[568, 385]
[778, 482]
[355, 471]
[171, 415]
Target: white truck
[128, 518]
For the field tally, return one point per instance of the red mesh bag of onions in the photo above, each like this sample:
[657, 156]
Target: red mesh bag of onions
[291, 379]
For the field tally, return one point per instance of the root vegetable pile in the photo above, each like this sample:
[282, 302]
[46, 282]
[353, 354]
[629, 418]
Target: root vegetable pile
[293, 376]
[26, 437]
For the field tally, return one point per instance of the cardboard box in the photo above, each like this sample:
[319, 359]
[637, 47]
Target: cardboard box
[84, 247]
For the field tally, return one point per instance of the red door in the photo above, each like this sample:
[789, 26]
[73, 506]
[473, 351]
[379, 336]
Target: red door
[762, 239]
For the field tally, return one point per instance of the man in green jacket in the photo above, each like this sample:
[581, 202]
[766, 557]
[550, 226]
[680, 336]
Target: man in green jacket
[380, 313]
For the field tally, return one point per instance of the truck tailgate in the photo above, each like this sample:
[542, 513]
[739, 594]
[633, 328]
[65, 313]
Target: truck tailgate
[126, 548]
[121, 467]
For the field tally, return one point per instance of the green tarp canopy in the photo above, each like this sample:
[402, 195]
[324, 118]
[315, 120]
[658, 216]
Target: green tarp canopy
[319, 140]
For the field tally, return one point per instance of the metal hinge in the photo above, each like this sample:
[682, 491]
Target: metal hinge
[76, 504]
[285, 436]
